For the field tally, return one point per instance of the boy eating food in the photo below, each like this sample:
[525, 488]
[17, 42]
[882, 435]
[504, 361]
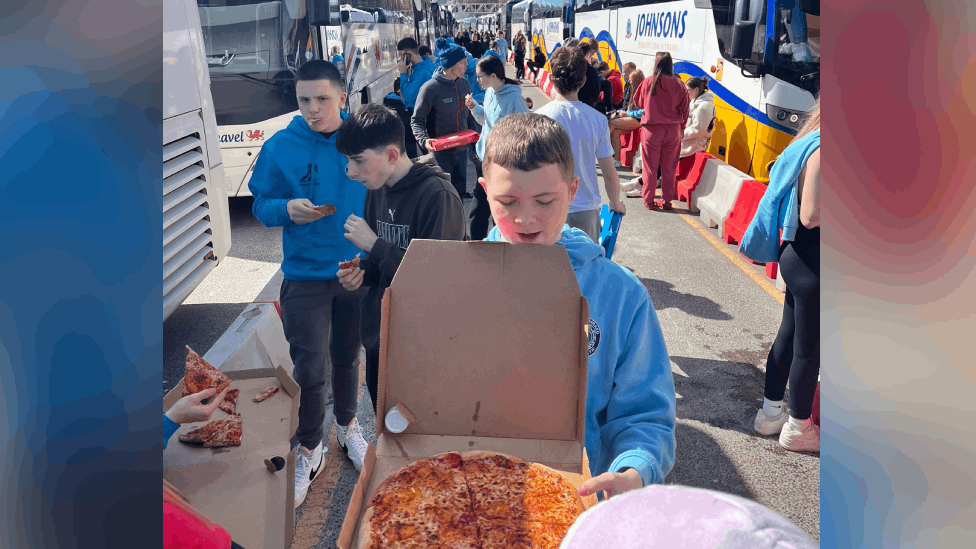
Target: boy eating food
[404, 200]
[630, 402]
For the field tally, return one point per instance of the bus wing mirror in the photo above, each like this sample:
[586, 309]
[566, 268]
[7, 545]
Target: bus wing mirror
[318, 12]
[742, 37]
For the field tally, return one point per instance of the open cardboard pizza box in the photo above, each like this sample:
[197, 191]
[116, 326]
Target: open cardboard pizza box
[232, 486]
[483, 345]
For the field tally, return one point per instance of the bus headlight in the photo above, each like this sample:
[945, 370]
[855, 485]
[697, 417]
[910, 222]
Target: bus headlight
[784, 117]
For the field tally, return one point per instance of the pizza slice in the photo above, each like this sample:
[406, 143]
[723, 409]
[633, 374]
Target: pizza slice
[200, 375]
[519, 504]
[202, 434]
[229, 434]
[229, 404]
[497, 484]
[425, 504]
[326, 209]
[222, 432]
[349, 264]
[265, 394]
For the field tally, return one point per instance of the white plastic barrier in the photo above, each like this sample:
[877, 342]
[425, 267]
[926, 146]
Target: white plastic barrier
[716, 203]
[256, 339]
[780, 284]
[706, 184]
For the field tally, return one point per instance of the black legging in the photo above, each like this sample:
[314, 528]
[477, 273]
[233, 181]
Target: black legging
[519, 66]
[534, 67]
[795, 355]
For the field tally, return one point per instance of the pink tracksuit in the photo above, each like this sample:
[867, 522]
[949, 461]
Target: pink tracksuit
[664, 119]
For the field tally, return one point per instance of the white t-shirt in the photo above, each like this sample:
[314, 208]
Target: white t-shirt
[589, 134]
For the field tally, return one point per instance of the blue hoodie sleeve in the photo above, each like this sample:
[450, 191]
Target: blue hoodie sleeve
[478, 112]
[640, 418]
[169, 427]
[268, 187]
[511, 104]
[410, 87]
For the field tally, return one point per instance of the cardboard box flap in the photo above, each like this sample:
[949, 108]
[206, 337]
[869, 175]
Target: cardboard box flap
[480, 336]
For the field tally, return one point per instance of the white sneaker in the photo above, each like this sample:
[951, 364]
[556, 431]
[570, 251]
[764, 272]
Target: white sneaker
[307, 465]
[766, 425]
[634, 183]
[635, 193]
[351, 442]
[796, 440]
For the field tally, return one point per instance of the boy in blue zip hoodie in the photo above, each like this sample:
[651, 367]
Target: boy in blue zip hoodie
[415, 71]
[300, 169]
[630, 401]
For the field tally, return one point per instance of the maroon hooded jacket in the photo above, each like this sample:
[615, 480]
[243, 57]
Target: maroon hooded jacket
[669, 105]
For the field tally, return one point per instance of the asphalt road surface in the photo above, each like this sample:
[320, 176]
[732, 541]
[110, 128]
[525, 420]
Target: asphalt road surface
[719, 319]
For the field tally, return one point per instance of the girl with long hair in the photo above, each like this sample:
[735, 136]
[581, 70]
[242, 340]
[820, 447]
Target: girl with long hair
[503, 96]
[795, 354]
[665, 101]
[519, 49]
[628, 119]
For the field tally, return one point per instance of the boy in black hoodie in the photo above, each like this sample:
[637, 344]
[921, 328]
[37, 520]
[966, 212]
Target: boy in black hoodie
[404, 200]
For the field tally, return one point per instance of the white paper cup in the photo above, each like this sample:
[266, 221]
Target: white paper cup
[395, 421]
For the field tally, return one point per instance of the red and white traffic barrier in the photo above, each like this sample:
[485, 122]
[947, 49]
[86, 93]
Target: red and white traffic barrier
[716, 200]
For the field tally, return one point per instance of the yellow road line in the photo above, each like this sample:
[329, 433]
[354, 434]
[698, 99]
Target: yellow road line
[736, 259]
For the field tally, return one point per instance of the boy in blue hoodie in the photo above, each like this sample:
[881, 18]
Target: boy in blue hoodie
[298, 170]
[415, 71]
[630, 401]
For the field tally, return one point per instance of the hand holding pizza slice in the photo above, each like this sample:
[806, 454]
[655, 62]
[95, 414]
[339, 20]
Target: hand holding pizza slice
[200, 375]
[343, 265]
[326, 209]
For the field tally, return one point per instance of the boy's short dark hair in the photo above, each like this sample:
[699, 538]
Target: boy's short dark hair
[318, 69]
[585, 47]
[527, 142]
[425, 50]
[567, 69]
[372, 126]
[407, 43]
[603, 66]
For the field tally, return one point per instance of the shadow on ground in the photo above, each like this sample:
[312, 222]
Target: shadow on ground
[698, 452]
[664, 297]
[721, 393]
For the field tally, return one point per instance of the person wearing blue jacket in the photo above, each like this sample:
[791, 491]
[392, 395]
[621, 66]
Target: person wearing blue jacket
[630, 400]
[415, 71]
[502, 45]
[297, 173]
[503, 96]
[471, 76]
[791, 204]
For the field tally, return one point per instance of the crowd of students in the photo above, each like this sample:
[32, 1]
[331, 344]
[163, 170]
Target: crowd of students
[537, 182]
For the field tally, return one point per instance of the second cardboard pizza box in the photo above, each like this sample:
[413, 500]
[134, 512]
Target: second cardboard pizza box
[233, 486]
[255, 340]
[484, 343]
